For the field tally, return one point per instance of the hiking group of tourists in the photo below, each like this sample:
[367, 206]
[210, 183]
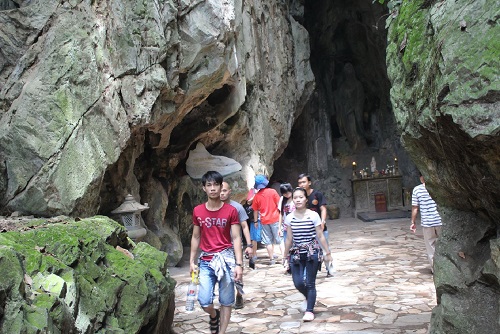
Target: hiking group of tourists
[295, 222]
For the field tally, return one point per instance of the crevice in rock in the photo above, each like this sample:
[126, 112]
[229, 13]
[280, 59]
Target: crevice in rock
[412, 75]
[443, 93]
[9, 4]
[350, 112]
[220, 95]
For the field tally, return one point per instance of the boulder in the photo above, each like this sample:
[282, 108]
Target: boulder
[333, 211]
[200, 161]
[443, 61]
[74, 277]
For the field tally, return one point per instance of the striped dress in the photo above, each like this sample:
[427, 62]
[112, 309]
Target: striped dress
[429, 216]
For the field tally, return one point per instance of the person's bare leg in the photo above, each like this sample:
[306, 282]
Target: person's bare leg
[270, 251]
[211, 311]
[225, 314]
[254, 243]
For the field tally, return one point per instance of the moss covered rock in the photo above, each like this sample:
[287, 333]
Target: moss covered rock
[69, 277]
[443, 60]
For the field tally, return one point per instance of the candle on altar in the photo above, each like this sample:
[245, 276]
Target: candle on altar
[354, 165]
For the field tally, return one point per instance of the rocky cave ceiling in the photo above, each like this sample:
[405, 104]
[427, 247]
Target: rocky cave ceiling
[349, 113]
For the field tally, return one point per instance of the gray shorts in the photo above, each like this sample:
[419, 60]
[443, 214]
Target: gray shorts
[270, 234]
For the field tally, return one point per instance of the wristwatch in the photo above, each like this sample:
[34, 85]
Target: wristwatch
[251, 246]
[239, 264]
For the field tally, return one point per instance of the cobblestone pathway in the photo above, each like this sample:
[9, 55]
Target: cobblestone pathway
[382, 284]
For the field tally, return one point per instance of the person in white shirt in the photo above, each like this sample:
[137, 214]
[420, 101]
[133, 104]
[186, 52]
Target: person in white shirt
[429, 218]
[304, 237]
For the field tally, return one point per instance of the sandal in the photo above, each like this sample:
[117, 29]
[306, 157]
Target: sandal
[215, 322]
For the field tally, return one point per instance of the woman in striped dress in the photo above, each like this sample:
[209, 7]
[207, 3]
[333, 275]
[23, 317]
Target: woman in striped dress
[303, 226]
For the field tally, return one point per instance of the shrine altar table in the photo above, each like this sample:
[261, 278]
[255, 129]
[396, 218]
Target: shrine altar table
[364, 191]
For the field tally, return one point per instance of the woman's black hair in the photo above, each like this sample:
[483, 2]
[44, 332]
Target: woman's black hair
[300, 189]
[284, 188]
[303, 190]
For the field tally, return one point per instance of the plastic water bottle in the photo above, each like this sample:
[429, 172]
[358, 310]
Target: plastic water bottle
[191, 292]
[191, 297]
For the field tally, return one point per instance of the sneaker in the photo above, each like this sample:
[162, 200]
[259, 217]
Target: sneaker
[239, 302]
[308, 316]
[275, 256]
[303, 306]
[272, 262]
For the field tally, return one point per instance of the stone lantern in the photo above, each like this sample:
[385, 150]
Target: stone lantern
[130, 215]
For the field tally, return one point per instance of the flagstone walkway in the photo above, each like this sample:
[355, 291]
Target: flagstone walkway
[382, 284]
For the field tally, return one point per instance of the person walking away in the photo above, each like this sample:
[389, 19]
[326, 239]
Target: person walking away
[286, 206]
[315, 202]
[225, 196]
[255, 226]
[265, 203]
[304, 237]
[429, 218]
[217, 232]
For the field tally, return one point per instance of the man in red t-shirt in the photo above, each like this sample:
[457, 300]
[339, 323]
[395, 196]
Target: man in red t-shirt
[216, 229]
[265, 202]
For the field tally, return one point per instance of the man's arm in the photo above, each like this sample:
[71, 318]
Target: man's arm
[246, 233]
[414, 212]
[235, 233]
[195, 243]
[255, 207]
[324, 243]
[323, 216]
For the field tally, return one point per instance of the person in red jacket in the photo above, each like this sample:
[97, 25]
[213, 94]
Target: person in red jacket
[265, 203]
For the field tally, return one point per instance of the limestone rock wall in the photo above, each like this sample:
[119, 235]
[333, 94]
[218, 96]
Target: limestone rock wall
[349, 117]
[443, 62]
[82, 277]
[102, 99]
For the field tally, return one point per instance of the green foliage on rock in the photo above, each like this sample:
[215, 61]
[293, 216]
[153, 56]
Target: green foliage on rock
[69, 277]
[443, 59]
[441, 56]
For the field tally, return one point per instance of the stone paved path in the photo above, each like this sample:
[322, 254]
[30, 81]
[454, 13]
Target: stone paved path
[382, 284]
